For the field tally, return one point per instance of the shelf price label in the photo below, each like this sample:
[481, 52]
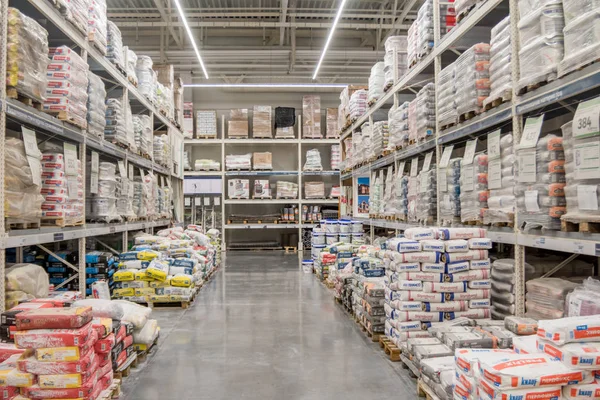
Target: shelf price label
[33, 155]
[527, 166]
[531, 132]
[401, 168]
[493, 145]
[469, 152]
[445, 159]
[70, 159]
[495, 174]
[122, 170]
[587, 119]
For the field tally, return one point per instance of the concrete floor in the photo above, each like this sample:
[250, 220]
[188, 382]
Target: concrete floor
[262, 329]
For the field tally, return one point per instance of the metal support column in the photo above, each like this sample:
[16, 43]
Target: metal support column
[3, 35]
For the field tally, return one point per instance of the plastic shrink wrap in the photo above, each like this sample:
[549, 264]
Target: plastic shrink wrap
[114, 50]
[395, 46]
[97, 24]
[336, 157]
[311, 117]
[241, 161]
[462, 7]
[540, 187]
[501, 182]
[582, 178]
[472, 83]
[142, 129]
[376, 82]
[313, 161]
[332, 130]
[161, 150]
[545, 298]
[67, 85]
[130, 59]
[380, 136]
[425, 112]
[26, 55]
[358, 104]
[115, 129]
[314, 190]
[446, 96]
[261, 122]
[238, 123]
[207, 165]
[401, 195]
[503, 287]
[500, 68]
[376, 194]
[25, 282]
[582, 41]
[102, 206]
[542, 42]
[474, 189]
[146, 77]
[96, 106]
[23, 201]
[450, 210]
[584, 300]
[389, 203]
[60, 204]
[262, 161]
[287, 190]
[426, 206]
[398, 125]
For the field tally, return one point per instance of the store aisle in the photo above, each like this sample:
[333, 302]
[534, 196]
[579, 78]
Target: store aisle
[261, 329]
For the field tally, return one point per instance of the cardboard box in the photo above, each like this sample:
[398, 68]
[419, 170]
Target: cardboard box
[206, 124]
[238, 189]
[311, 117]
[262, 189]
[261, 122]
[262, 161]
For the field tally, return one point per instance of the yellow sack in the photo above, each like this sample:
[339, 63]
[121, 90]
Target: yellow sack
[145, 292]
[142, 275]
[181, 280]
[123, 292]
[158, 270]
[124, 275]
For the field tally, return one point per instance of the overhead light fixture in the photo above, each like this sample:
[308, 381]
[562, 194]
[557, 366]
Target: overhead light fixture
[335, 22]
[190, 36]
[265, 85]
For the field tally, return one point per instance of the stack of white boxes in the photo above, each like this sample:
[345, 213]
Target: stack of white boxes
[398, 125]
[446, 105]
[425, 109]
[395, 46]
[500, 66]
[472, 79]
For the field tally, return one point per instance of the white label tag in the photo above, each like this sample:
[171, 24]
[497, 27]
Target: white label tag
[467, 175]
[495, 174]
[70, 159]
[217, 201]
[187, 201]
[531, 132]
[587, 197]
[36, 170]
[95, 162]
[414, 166]
[30, 142]
[527, 166]
[493, 145]
[197, 201]
[469, 152]
[401, 167]
[72, 186]
[445, 159]
[587, 119]
[423, 184]
[587, 160]
[442, 181]
[130, 171]
[94, 182]
[531, 201]
[207, 201]
[122, 170]
[427, 162]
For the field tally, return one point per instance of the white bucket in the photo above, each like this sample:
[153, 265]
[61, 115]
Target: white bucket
[316, 250]
[332, 226]
[357, 227]
[318, 238]
[331, 238]
[345, 237]
[307, 266]
[358, 238]
[345, 226]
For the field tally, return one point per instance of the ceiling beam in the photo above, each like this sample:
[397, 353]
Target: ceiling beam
[163, 14]
[259, 24]
[408, 5]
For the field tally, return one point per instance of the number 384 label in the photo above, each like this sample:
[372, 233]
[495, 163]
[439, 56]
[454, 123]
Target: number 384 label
[587, 119]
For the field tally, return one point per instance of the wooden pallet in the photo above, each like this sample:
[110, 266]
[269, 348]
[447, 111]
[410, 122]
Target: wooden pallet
[496, 103]
[329, 284]
[529, 88]
[143, 354]
[113, 391]
[423, 390]
[472, 223]
[132, 80]
[124, 372]
[290, 249]
[15, 223]
[61, 222]
[69, 118]
[206, 137]
[467, 116]
[172, 304]
[92, 39]
[447, 126]
[389, 348]
[12, 93]
[582, 226]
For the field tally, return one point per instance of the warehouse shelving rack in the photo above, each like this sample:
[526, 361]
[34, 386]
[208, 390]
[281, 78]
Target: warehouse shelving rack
[16, 113]
[558, 96]
[301, 144]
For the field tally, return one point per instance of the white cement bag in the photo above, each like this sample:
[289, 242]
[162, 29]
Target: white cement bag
[421, 276]
[470, 294]
[433, 245]
[432, 367]
[460, 233]
[404, 336]
[480, 284]
[454, 246]
[574, 355]
[412, 326]
[405, 267]
[535, 393]
[433, 267]
[571, 329]
[480, 303]
[419, 256]
[525, 345]
[406, 285]
[403, 245]
[421, 233]
[530, 370]
[456, 267]
[466, 359]
[480, 243]
[449, 306]
[406, 295]
[465, 256]
[406, 305]
[585, 391]
[444, 287]
[477, 313]
[420, 316]
[480, 264]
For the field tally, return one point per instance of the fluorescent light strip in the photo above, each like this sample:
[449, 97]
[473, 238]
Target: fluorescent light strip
[265, 85]
[335, 22]
[190, 36]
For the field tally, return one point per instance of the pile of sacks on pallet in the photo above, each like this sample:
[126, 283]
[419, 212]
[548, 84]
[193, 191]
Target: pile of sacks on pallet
[168, 267]
[434, 275]
[65, 347]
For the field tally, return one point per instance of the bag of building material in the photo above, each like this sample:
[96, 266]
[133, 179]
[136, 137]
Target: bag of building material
[134, 313]
[432, 367]
[525, 344]
[571, 329]
[574, 355]
[102, 308]
[147, 333]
